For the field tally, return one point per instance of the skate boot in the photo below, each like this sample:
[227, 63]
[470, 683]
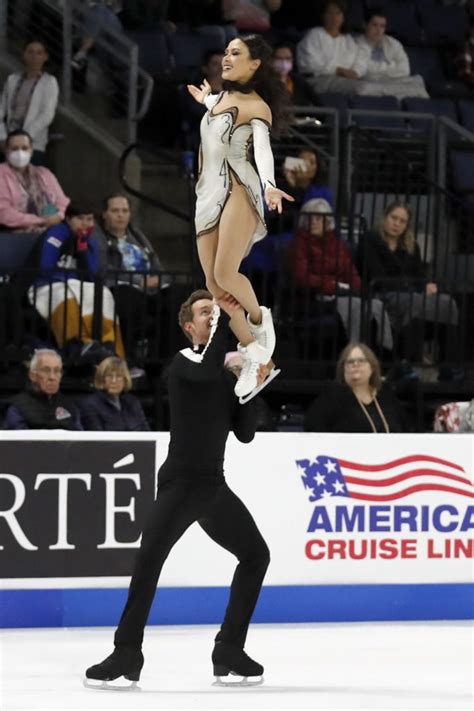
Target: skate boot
[253, 357]
[230, 659]
[124, 661]
[264, 332]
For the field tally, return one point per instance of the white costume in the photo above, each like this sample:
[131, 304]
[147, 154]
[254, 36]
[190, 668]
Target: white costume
[319, 54]
[388, 71]
[224, 157]
[41, 108]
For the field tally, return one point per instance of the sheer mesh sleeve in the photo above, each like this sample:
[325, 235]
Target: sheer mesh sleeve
[263, 152]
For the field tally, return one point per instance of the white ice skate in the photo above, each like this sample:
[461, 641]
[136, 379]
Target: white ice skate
[253, 356]
[272, 373]
[264, 332]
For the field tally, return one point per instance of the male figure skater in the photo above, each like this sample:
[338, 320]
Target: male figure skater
[191, 487]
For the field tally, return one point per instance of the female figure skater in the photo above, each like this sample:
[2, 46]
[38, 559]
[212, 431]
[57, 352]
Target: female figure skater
[229, 207]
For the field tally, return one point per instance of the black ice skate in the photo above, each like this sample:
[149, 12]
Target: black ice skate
[231, 660]
[124, 661]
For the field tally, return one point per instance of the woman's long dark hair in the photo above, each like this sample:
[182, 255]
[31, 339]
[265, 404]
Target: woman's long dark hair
[266, 82]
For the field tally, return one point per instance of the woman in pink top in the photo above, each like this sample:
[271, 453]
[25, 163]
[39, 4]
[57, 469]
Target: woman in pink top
[31, 199]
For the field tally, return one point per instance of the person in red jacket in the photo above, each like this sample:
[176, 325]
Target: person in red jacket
[322, 262]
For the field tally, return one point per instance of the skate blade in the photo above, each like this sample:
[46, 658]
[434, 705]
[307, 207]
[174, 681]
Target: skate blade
[116, 685]
[271, 376]
[239, 682]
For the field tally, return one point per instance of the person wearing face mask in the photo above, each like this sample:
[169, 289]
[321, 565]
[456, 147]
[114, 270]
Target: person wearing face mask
[112, 408]
[284, 65]
[64, 290]
[31, 199]
[29, 99]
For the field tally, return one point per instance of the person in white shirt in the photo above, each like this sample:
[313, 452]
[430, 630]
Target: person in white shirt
[29, 99]
[332, 59]
[388, 68]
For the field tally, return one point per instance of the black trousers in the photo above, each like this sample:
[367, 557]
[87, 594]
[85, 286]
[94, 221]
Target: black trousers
[223, 516]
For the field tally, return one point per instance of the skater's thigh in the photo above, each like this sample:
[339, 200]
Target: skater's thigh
[173, 511]
[236, 227]
[230, 524]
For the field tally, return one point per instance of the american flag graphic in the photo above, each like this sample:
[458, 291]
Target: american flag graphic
[326, 477]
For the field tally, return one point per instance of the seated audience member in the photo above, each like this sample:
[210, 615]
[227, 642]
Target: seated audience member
[254, 15]
[388, 68]
[390, 257]
[309, 182]
[321, 263]
[31, 199]
[284, 65]
[358, 401]
[29, 100]
[99, 16]
[330, 57]
[112, 407]
[131, 266]
[64, 290]
[42, 406]
[465, 58]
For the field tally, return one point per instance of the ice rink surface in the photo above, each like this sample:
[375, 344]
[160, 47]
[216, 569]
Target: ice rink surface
[313, 666]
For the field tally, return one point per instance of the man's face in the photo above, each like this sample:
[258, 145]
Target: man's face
[200, 327]
[80, 223]
[47, 376]
[375, 29]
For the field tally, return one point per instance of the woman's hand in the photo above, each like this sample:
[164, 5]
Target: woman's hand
[274, 196]
[201, 93]
[431, 288]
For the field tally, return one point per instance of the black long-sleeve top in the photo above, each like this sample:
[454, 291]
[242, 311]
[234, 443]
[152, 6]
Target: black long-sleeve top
[377, 261]
[203, 410]
[337, 410]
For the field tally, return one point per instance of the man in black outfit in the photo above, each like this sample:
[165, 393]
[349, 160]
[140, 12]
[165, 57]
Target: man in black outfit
[191, 487]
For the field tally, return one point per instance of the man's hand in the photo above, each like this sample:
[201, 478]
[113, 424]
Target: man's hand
[228, 304]
[347, 73]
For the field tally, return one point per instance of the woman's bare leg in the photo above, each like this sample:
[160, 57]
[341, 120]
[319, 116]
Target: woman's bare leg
[207, 248]
[236, 227]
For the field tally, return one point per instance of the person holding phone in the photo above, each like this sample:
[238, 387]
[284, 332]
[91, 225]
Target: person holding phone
[229, 208]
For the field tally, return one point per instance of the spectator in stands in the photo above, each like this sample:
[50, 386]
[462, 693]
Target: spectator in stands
[309, 179]
[100, 15]
[31, 199]
[390, 258]
[284, 64]
[465, 58]
[192, 111]
[358, 401]
[29, 100]
[322, 263]
[388, 69]
[64, 290]
[112, 407]
[252, 15]
[42, 406]
[329, 56]
[133, 272]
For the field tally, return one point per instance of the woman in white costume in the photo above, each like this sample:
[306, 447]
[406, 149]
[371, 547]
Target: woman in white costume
[229, 207]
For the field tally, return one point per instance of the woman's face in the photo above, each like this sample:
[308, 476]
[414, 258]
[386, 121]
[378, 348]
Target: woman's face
[237, 64]
[333, 19]
[316, 225]
[34, 57]
[114, 383]
[311, 161]
[117, 215]
[396, 222]
[357, 369]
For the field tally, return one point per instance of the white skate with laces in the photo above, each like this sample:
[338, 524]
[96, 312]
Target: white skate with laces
[264, 332]
[253, 356]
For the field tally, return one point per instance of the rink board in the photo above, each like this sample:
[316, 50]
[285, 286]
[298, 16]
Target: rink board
[360, 527]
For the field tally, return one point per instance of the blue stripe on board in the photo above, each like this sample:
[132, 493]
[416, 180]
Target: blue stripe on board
[286, 603]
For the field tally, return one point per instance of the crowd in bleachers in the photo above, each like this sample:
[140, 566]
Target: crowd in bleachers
[97, 287]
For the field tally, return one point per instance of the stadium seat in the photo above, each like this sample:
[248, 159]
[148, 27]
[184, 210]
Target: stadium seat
[153, 51]
[402, 21]
[466, 112]
[14, 250]
[355, 17]
[188, 48]
[438, 107]
[377, 103]
[441, 23]
[427, 62]
[462, 167]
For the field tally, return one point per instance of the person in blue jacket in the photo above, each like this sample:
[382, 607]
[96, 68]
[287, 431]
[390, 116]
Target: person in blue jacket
[112, 407]
[64, 291]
